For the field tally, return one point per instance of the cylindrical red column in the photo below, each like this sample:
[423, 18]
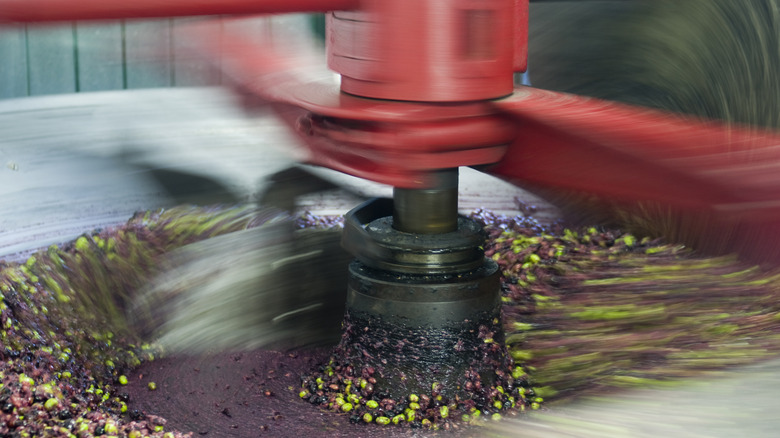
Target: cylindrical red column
[427, 50]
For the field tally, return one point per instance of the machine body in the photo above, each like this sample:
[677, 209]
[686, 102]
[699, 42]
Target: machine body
[426, 87]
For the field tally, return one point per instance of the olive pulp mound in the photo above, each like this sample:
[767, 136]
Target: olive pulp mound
[584, 309]
[66, 349]
[374, 357]
[591, 309]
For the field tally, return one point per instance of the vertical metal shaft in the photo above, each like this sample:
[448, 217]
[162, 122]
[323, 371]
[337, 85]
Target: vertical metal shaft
[428, 211]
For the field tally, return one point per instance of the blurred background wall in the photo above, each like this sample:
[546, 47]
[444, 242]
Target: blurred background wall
[129, 54]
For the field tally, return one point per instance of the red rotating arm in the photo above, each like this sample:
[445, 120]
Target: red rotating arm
[632, 153]
[555, 139]
[67, 10]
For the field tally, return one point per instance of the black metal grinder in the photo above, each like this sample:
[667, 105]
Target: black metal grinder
[423, 303]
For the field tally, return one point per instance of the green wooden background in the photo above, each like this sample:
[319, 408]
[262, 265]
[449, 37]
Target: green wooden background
[130, 54]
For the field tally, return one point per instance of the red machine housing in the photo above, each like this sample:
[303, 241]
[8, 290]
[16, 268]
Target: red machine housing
[429, 51]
